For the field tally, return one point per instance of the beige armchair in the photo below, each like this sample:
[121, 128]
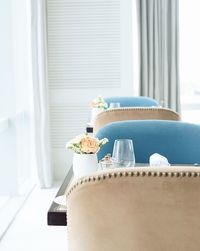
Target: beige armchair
[138, 209]
[133, 113]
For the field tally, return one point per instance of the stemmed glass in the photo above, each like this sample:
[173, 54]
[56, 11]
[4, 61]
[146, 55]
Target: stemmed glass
[123, 153]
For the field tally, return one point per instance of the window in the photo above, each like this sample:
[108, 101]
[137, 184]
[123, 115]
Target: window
[15, 159]
[190, 59]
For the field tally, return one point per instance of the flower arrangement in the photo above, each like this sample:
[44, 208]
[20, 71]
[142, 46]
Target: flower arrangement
[86, 144]
[99, 102]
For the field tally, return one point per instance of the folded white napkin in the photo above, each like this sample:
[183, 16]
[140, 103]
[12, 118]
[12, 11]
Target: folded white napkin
[158, 160]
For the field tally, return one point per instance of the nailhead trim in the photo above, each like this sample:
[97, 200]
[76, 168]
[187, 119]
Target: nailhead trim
[115, 175]
[160, 109]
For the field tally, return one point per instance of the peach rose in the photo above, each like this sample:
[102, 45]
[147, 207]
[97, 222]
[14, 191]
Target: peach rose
[89, 145]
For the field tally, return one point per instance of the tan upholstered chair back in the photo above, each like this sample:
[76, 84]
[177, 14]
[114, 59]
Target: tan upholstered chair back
[133, 113]
[139, 209]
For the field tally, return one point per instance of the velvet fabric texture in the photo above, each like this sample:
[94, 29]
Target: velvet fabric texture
[132, 101]
[133, 113]
[178, 141]
[135, 209]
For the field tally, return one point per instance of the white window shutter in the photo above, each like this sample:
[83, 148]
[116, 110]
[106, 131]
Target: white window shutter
[89, 53]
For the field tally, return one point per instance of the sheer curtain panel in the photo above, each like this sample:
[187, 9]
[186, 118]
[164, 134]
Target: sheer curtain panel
[158, 54]
[40, 91]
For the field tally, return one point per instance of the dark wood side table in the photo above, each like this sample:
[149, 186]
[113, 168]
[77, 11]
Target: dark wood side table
[56, 215]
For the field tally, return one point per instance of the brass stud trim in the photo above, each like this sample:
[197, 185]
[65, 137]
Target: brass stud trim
[125, 174]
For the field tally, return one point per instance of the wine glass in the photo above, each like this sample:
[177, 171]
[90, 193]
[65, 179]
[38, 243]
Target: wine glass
[123, 153]
[114, 105]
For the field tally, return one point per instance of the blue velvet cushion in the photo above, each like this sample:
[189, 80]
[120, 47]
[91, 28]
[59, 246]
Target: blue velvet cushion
[178, 141]
[132, 101]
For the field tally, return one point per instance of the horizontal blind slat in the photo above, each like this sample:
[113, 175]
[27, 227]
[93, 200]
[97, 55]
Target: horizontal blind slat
[83, 44]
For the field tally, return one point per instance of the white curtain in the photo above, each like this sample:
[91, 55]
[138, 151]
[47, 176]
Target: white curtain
[40, 92]
[158, 54]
